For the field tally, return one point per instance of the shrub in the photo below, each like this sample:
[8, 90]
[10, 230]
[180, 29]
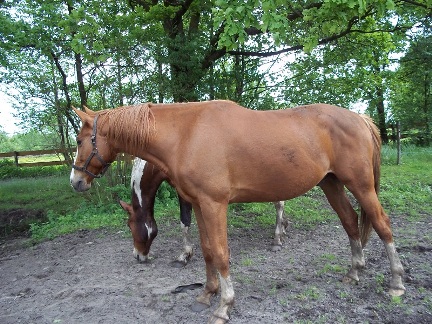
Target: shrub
[8, 170]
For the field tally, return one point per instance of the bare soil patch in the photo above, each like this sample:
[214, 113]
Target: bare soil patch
[16, 222]
[91, 277]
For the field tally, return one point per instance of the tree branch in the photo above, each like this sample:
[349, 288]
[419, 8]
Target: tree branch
[296, 14]
[214, 53]
[298, 47]
[417, 4]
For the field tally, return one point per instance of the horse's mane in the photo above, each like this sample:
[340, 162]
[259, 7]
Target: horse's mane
[131, 125]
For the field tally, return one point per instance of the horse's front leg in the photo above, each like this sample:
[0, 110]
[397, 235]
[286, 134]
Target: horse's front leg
[214, 217]
[212, 224]
[212, 284]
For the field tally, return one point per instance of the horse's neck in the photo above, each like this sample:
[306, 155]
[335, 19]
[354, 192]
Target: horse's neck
[160, 146]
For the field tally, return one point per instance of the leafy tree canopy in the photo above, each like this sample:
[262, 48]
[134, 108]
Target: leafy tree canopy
[61, 53]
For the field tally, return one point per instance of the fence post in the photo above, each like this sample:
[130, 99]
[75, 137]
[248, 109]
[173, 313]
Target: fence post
[398, 142]
[16, 158]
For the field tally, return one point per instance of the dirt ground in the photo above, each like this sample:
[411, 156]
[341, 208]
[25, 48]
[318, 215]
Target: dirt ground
[91, 277]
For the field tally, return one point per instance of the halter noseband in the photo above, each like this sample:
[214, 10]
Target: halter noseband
[94, 153]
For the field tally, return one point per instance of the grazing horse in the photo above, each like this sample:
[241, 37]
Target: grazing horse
[145, 181]
[218, 152]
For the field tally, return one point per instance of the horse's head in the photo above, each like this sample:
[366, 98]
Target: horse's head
[93, 155]
[143, 229]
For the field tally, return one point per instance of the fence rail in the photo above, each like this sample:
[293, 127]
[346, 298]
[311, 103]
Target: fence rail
[16, 155]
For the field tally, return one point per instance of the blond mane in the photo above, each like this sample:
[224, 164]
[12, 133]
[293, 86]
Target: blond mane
[132, 125]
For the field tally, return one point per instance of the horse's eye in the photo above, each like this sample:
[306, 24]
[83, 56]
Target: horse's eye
[78, 142]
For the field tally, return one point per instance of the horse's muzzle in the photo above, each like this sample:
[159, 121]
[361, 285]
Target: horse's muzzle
[80, 185]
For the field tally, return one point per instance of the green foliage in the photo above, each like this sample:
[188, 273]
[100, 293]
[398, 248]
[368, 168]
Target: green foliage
[412, 92]
[28, 141]
[354, 71]
[8, 170]
[166, 194]
[5, 145]
[306, 24]
[139, 51]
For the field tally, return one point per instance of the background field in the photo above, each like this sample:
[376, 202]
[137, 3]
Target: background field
[42, 197]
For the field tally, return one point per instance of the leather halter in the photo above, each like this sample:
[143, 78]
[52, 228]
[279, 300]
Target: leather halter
[94, 153]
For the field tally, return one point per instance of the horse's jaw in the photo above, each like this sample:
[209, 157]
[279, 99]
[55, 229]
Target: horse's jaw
[79, 183]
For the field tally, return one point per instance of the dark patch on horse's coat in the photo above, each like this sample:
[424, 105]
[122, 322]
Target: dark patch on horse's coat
[290, 155]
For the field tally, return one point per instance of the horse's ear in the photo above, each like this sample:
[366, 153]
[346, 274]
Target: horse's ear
[127, 207]
[89, 111]
[85, 118]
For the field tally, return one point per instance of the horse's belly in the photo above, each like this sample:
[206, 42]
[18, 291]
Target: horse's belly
[274, 188]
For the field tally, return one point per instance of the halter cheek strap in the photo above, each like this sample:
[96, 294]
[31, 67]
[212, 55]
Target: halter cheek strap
[94, 153]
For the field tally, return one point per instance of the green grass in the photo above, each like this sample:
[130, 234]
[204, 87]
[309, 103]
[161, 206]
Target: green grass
[41, 193]
[309, 210]
[406, 190]
[304, 212]
[85, 217]
[310, 293]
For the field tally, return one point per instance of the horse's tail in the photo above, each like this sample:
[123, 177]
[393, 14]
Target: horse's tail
[365, 222]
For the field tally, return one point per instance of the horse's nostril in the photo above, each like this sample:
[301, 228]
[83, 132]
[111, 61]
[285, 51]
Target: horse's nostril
[78, 185]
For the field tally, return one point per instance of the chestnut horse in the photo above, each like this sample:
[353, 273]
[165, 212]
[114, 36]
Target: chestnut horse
[145, 181]
[218, 152]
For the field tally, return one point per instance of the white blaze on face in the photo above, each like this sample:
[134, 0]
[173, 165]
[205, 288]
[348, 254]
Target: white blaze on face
[149, 230]
[137, 172]
[72, 175]
[139, 256]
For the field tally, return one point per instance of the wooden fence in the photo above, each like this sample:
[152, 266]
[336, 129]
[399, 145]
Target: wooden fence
[16, 156]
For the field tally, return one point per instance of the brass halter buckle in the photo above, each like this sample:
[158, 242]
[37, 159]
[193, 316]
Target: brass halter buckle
[94, 153]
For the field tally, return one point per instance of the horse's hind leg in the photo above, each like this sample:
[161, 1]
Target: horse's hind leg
[381, 224]
[335, 193]
[281, 226]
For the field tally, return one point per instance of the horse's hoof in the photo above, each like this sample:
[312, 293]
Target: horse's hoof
[144, 261]
[396, 292]
[217, 320]
[349, 280]
[178, 264]
[199, 307]
[276, 248]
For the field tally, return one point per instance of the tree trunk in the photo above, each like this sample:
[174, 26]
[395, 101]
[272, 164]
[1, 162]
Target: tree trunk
[381, 115]
[80, 80]
[119, 83]
[64, 143]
